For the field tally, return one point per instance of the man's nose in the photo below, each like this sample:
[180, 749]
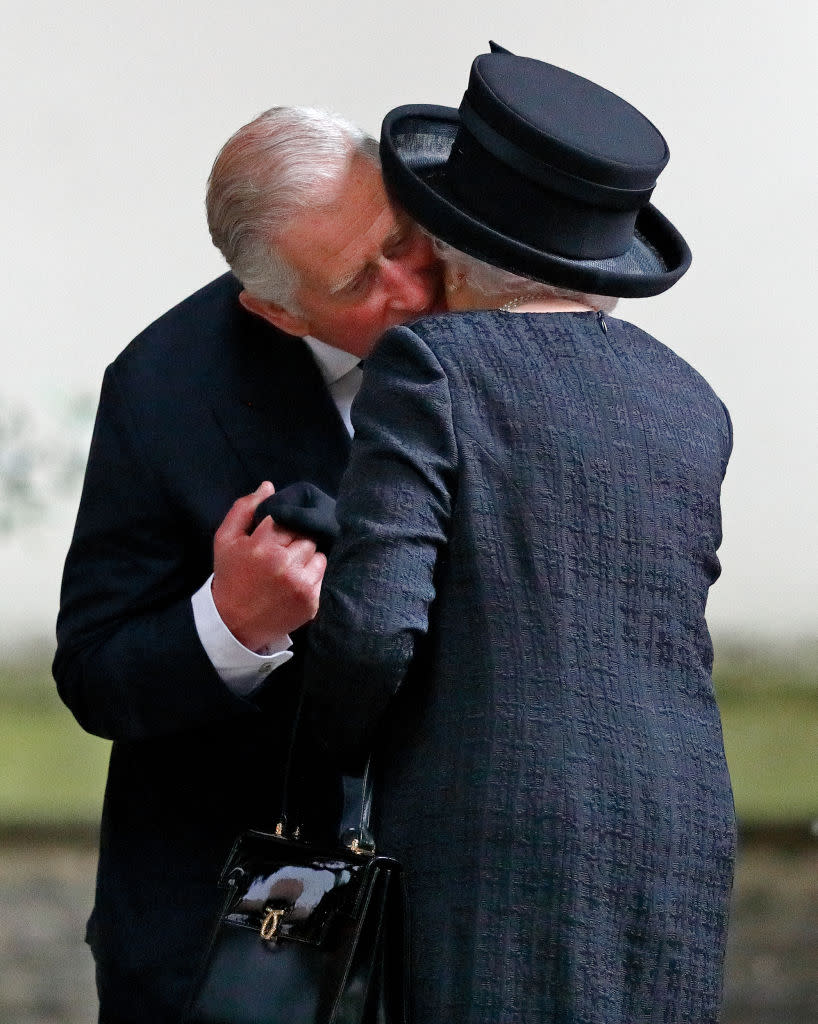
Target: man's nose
[410, 288]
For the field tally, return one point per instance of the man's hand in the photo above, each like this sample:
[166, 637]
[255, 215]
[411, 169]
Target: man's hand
[265, 583]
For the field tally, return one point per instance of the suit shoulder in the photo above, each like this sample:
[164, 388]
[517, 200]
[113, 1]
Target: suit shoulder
[205, 336]
[191, 328]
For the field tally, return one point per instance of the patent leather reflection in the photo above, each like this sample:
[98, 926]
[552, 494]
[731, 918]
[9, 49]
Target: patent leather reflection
[297, 901]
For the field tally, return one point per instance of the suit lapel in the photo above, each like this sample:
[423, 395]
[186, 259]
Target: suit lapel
[276, 412]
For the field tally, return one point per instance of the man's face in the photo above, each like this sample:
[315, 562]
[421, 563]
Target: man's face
[362, 265]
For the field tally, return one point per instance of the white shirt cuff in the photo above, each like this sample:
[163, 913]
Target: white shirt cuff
[239, 668]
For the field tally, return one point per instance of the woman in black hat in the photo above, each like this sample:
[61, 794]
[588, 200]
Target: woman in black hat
[513, 617]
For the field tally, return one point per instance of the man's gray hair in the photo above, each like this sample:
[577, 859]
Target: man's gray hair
[501, 283]
[285, 160]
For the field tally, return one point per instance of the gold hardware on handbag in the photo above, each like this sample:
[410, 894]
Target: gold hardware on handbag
[306, 935]
[270, 923]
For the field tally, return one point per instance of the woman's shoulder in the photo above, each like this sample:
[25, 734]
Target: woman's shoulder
[443, 331]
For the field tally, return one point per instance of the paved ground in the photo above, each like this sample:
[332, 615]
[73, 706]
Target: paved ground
[772, 957]
[46, 975]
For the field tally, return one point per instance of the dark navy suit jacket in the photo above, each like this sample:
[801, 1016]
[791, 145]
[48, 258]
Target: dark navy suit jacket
[198, 410]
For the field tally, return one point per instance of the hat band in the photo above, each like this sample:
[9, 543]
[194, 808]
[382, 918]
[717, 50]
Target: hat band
[535, 213]
[558, 179]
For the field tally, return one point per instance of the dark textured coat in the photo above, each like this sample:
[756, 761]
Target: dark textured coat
[198, 410]
[529, 531]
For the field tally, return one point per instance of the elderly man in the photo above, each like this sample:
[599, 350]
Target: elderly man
[167, 637]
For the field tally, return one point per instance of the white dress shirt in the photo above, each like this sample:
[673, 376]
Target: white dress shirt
[239, 668]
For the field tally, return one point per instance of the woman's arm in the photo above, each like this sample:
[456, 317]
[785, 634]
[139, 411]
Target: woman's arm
[394, 510]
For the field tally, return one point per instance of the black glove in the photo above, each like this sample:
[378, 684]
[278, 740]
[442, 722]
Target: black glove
[305, 509]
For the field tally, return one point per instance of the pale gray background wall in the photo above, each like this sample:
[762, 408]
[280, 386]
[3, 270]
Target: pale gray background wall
[112, 115]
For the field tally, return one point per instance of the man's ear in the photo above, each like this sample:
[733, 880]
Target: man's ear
[275, 314]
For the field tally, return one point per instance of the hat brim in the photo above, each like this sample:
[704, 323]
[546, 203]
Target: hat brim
[415, 145]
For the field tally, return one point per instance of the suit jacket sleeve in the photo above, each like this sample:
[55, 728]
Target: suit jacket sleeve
[129, 663]
[394, 510]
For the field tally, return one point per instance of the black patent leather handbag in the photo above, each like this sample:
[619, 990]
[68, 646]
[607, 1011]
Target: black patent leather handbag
[307, 935]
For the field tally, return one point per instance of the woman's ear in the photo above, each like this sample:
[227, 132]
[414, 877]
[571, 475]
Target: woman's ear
[275, 314]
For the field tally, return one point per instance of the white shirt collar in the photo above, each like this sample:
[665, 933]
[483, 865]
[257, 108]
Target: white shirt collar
[333, 363]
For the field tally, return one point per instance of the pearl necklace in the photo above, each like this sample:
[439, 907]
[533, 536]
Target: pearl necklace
[512, 304]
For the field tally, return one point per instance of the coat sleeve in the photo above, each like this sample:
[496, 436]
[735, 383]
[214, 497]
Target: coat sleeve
[394, 511]
[129, 663]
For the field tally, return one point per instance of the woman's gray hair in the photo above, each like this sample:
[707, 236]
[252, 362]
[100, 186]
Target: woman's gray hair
[501, 283]
[285, 160]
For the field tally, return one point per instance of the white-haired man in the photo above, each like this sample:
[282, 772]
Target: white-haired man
[175, 612]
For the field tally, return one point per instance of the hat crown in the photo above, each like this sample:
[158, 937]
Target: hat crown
[542, 173]
[566, 121]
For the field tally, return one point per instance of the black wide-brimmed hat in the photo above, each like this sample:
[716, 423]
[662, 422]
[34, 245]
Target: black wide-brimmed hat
[542, 173]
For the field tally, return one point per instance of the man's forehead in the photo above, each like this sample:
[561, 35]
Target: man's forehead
[340, 205]
[331, 244]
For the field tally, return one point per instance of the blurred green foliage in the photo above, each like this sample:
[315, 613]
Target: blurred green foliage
[769, 709]
[52, 772]
[743, 670]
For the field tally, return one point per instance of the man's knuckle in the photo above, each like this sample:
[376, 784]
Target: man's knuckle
[301, 586]
[283, 561]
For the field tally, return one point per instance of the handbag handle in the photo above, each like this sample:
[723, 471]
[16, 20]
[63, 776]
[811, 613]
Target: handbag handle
[357, 807]
[355, 832]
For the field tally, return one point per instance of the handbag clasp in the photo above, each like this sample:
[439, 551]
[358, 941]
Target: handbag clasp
[270, 923]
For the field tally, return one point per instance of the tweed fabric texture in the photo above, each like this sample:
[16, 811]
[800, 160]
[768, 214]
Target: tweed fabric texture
[514, 617]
